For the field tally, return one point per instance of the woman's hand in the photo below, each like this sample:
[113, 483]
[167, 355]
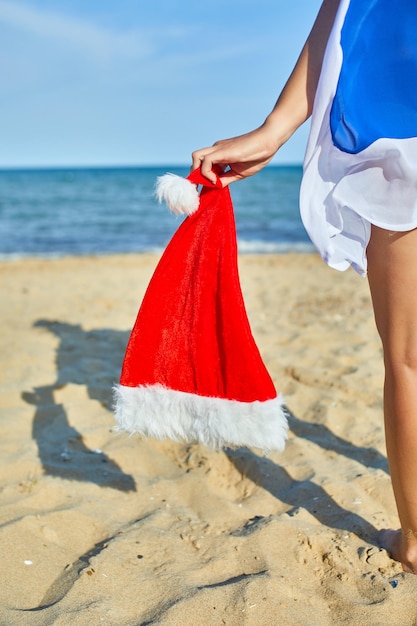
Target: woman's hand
[247, 154]
[243, 156]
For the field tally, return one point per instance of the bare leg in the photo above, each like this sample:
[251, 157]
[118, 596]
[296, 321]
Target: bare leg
[392, 274]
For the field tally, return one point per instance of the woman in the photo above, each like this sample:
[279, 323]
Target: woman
[359, 193]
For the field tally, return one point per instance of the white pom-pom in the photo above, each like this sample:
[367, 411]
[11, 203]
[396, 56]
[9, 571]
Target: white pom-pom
[180, 195]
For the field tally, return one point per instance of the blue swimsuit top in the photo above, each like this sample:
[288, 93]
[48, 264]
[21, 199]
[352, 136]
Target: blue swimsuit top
[376, 96]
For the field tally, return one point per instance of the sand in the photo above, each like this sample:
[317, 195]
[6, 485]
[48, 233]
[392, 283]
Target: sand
[99, 528]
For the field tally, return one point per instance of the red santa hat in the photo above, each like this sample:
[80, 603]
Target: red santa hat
[192, 371]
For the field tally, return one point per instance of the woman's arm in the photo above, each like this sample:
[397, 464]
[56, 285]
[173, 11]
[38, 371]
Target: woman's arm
[247, 154]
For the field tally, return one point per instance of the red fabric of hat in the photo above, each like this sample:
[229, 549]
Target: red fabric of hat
[192, 370]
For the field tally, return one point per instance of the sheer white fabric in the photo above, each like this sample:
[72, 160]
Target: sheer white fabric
[342, 194]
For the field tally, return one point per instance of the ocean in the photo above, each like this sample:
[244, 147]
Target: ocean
[96, 211]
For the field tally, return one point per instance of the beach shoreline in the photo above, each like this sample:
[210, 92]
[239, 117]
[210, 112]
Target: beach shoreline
[101, 528]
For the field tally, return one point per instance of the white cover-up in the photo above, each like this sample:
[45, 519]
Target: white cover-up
[360, 166]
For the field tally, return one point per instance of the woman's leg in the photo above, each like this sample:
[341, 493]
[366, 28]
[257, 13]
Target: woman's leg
[392, 273]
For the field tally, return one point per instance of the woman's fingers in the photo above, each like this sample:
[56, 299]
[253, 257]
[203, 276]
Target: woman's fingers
[205, 159]
[205, 164]
[230, 176]
[239, 157]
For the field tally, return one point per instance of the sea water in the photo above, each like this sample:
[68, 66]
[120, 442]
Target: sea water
[94, 211]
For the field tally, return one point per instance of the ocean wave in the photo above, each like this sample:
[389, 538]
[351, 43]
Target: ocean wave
[272, 247]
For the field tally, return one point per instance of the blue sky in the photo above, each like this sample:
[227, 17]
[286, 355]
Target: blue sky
[137, 82]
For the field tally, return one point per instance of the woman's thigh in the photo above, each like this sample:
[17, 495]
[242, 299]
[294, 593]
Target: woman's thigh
[392, 275]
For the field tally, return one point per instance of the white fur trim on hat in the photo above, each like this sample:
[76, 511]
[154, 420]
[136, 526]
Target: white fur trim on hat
[179, 194]
[158, 412]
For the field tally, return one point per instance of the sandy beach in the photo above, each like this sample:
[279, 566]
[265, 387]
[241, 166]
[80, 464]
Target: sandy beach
[100, 528]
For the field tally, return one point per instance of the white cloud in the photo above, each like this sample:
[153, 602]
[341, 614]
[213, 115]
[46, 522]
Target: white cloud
[81, 35]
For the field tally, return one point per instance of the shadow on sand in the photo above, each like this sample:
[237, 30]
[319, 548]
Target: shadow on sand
[93, 358]
[89, 358]
[305, 493]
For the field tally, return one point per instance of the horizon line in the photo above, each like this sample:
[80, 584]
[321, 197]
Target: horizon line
[8, 168]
